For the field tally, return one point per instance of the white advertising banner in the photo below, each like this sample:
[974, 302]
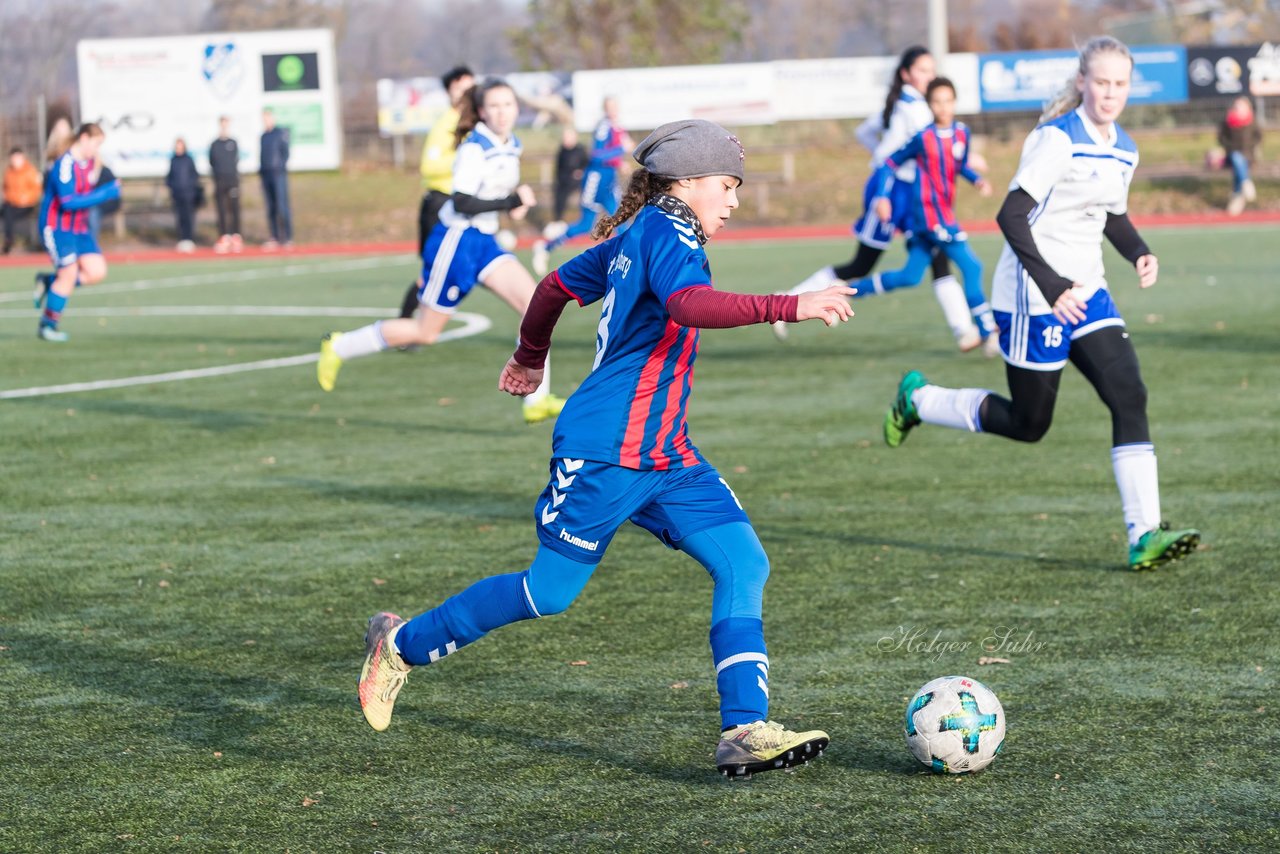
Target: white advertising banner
[757, 93]
[148, 92]
[740, 94]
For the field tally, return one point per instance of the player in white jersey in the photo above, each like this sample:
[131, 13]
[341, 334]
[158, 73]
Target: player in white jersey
[906, 113]
[1051, 299]
[462, 250]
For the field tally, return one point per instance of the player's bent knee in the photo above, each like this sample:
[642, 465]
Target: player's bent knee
[1030, 429]
[554, 581]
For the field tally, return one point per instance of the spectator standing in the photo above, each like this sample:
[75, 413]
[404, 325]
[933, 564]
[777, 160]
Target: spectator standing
[224, 165]
[571, 165]
[273, 167]
[22, 189]
[184, 188]
[1240, 137]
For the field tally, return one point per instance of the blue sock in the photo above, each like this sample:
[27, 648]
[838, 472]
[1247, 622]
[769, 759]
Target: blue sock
[742, 670]
[464, 618]
[54, 305]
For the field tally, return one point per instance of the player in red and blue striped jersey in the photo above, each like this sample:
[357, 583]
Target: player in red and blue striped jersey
[622, 449]
[599, 198]
[941, 154]
[64, 227]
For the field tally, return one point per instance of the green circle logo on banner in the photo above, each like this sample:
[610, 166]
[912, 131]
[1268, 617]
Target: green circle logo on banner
[290, 70]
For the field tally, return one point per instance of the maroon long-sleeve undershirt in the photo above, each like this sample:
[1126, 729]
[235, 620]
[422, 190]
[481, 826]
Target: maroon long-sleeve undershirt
[701, 307]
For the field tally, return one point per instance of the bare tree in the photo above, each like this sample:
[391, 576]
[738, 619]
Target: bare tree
[579, 34]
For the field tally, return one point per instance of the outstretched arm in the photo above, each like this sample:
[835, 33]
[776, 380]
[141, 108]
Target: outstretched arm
[707, 308]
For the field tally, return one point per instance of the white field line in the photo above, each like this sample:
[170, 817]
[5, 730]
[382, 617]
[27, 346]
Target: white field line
[230, 277]
[472, 324]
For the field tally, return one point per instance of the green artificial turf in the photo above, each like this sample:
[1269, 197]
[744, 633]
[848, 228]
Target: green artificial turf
[186, 569]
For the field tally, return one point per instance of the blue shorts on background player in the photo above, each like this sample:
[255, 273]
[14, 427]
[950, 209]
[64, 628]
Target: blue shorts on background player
[69, 194]
[1052, 301]
[622, 451]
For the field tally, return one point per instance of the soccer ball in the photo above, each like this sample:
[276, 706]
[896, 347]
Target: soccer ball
[955, 725]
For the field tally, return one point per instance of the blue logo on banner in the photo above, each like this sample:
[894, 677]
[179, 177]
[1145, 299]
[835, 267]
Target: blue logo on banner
[1026, 80]
[223, 68]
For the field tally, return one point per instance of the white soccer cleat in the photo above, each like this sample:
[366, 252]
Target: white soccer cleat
[541, 258]
[554, 230]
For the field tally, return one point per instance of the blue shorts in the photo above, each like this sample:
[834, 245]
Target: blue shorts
[453, 262]
[870, 230]
[65, 247]
[586, 502]
[1041, 342]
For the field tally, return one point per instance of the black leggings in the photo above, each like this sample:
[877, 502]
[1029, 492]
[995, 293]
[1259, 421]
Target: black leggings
[1110, 364]
[864, 261]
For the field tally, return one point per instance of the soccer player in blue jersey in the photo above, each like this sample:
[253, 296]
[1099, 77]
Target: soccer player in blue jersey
[1052, 301]
[599, 198]
[622, 448]
[64, 226]
[462, 249]
[941, 154]
[905, 114]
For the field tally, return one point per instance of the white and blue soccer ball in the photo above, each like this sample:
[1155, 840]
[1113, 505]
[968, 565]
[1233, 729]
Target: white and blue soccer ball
[955, 725]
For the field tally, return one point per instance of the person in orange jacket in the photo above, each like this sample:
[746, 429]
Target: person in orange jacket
[22, 188]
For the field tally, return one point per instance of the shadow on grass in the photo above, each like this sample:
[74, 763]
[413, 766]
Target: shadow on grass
[227, 712]
[480, 505]
[781, 537]
[222, 420]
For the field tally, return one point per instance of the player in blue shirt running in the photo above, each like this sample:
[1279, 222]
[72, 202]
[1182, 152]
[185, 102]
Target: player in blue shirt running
[622, 450]
[1053, 304]
[599, 198]
[64, 226]
[940, 153]
[462, 249]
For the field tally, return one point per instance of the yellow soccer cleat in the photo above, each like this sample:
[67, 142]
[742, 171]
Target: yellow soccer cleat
[330, 362]
[384, 671]
[537, 411]
[766, 746]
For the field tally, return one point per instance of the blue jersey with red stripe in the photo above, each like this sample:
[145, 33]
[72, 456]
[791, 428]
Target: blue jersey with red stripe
[607, 149]
[69, 193]
[940, 154]
[630, 410]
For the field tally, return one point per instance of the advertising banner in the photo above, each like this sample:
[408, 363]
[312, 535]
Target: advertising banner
[148, 92]
[412, 105]
[1026, 80]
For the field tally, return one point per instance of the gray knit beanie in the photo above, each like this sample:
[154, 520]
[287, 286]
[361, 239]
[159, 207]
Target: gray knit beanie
[691, 148]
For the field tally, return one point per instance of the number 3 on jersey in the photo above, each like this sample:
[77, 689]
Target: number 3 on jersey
[1052, 336]
[602, 331]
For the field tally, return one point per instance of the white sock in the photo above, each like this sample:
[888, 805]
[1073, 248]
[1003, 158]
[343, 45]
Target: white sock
[950, 407]
[540, 393]
[824, 278]
[360, 342]
[955, 308]
[1135, 468]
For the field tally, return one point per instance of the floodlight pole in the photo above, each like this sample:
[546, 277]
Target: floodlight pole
[938, 28]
